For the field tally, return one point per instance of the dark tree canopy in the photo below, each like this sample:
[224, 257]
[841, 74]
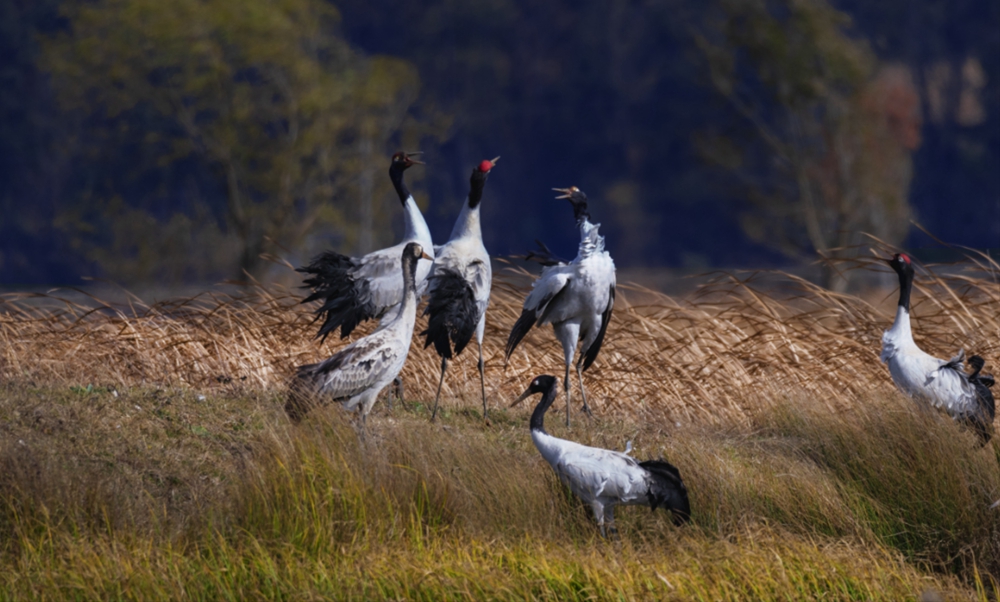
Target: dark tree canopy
[181, 141]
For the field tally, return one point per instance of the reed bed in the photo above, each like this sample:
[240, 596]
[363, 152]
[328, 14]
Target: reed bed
[144, 454]
[715, 356]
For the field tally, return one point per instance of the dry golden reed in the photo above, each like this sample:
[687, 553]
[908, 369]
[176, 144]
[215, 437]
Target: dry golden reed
[714, 356]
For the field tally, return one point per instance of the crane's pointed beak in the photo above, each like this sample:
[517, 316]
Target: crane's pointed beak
[424, 255]
[411, 160]
[523, 396]
[566, 192]
[889, 261]
[494, 161]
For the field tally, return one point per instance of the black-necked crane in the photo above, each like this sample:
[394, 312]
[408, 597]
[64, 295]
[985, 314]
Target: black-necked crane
[459, 285]
[943, 384]
[356, 289]
[576, 298]
[355, 375]
[604, 478]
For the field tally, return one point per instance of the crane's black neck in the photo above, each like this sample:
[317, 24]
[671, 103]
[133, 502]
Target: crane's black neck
[905, 286]
[579, 202]
[538, 416]
[476, 184]
[396, 175]
[409, 271]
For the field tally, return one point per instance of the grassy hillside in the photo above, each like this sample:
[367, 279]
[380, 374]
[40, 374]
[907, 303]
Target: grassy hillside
[144, 455]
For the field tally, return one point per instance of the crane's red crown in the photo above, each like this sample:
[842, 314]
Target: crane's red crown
[485, 166]
[904, 257]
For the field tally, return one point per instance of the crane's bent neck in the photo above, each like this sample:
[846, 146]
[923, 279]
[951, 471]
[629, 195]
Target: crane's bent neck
[409, 303]
[467, 225]
[414, 224]
[538, 416]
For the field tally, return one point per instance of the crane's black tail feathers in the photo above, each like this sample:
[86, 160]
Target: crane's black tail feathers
[591, 353]
[453, 313]
[668, 490]
[346, 301]
[978, 363]
[304, 391]
[519, 331]
[544, 256]
[982, 421]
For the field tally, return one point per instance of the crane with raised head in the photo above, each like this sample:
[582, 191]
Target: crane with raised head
[459, 286]
[356, 289]
[576, 297]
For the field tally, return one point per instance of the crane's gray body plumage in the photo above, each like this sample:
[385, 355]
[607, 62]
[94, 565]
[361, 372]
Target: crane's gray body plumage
[605, 478]
[355, 375]
[577, 298]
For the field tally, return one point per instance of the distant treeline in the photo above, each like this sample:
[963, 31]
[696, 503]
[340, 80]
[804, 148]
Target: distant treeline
[189, 141]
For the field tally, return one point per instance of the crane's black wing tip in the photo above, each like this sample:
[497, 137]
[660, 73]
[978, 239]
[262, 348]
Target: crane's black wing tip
[591, 353]
[543, 256]
[453, 313]
[347, 302]
[519, 331]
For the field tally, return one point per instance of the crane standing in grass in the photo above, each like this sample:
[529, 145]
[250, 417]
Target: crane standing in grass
[944, 384]
[357, 289]
[459, 286]
[355, 375]
[576, 298]
[603, 478]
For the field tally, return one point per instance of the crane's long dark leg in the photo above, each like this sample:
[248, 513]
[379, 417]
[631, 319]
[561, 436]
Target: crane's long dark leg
[598, 509]
[482, 381]
[391, 391]
[583, 392]
[444, 367]
[566, 386]
[609, 521]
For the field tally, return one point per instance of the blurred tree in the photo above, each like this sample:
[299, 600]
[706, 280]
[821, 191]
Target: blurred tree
[825, 148]
[597, 94]
[32, 169]
[262, 94]
[953, 51]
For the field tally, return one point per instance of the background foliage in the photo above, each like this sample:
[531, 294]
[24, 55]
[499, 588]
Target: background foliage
[175, 144]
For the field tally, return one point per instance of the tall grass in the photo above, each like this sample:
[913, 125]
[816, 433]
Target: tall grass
[715, 356]
[782, 510]
[137, 463]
